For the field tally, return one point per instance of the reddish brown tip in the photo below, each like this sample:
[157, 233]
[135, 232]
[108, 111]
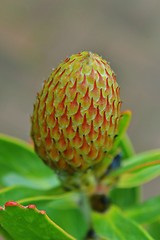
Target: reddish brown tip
[42, 212]
[11, 204]
[31, 206]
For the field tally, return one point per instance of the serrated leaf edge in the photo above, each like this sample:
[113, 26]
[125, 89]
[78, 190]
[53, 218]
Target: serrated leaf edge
[33, 207]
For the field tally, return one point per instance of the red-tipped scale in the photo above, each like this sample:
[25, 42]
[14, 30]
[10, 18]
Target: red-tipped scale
[76, 114]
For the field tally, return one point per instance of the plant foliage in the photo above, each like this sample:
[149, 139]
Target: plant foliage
[34, 204]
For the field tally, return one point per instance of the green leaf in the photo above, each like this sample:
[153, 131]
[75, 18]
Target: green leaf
[138, 169]
[113, 225]
[123, 125]
[20, 165]
[18, 193]
[15, 193]
[154, 229]
[146, 212]
[28, 223]
[70, 211]
[57, 204]
[124, 197]
[126, 147]
[4, 235]
[140, 177]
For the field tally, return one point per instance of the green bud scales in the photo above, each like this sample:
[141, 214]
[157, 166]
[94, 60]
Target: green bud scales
[76, 114]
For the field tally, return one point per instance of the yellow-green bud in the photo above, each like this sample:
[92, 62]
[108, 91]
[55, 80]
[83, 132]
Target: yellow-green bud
[76, 114]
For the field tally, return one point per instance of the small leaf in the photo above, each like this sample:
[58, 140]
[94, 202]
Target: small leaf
[114, 225]
[123, 125]
[146, 212]
[126, 147]
[124, 197]
[20, 165]
[29, 223]
[140, 177]
[138, 169]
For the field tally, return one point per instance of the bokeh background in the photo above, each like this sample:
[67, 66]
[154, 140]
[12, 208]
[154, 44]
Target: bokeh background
[36, 35]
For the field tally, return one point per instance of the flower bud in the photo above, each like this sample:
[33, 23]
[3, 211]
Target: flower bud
[76, 114]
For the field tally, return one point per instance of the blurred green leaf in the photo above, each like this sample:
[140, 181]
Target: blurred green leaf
[124, 197]
[138, 169]
[4, 235]
[118, 196]
[17, 193]
[70, 211]
[154, 229]
[146, 212]
[140, 177]
[123, 125]
[29, 223]
[14, 193]
[57, 204]
[20, 165]
[114, 225]
[126, 147]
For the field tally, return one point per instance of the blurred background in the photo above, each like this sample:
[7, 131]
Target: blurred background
[36, 35]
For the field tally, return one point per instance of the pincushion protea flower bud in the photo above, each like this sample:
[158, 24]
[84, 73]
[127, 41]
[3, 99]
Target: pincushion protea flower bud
[76, 115]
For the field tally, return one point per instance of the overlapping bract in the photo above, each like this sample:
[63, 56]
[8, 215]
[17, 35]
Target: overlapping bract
[76, 115]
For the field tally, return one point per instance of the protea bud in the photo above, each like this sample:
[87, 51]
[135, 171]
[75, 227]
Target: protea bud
[76, 115]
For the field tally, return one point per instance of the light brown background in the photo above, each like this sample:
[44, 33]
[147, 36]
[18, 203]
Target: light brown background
[36, 35]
